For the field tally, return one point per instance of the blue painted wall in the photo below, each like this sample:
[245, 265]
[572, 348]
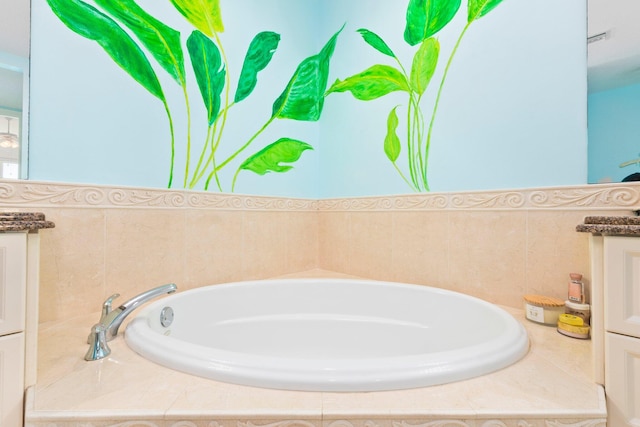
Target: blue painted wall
[614, 126]
[512, 112]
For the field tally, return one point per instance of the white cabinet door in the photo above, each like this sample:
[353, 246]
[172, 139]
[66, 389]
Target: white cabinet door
[13, 259]
[622, 379]
[11, 380]
[622, 284]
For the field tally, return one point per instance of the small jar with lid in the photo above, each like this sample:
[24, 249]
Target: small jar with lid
[543, 309]
[583, 311]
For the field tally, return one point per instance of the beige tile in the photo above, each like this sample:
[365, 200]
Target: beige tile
[264, 237]
[204, 398]
[420, 247]
[334, 231]
[72, 271]
[302, 241]
[214, 247]
[369, 245]
[555, 249]
[487, 255]
[144, 248]
[448, 400]
[555, 391]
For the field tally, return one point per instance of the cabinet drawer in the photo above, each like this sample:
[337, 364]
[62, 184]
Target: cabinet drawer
[13, 272]
[622, 285]
[621, 379]
[11, 380]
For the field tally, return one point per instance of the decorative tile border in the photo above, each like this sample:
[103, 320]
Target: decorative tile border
[518, 422]
[588, 197]
[33, 194]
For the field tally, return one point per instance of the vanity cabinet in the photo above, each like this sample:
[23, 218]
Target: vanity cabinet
[13, 288]
[621, 269]
[19, 283]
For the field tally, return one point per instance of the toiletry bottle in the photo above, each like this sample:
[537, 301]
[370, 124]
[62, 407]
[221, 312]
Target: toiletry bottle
[576, 288]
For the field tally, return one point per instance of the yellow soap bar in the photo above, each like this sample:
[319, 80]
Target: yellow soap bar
[570, 319]
[581, 332]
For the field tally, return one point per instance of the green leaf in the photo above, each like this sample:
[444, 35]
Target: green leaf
[209, 71]
[424, 64]
[391, 140]
[162, 41]
[303, 98]
[92, 24]
[258, 56]
[376, 42]
[372, 83]
[426, 17]
[478, 8]
[203, 14]
[284, 150]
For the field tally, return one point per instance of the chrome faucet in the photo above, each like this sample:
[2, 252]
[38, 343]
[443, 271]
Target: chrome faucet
[111, 319]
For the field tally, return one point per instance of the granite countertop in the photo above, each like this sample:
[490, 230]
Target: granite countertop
[611, 225]
[23, 221]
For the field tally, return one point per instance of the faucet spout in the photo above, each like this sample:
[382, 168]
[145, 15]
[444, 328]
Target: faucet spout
[107, 328]
[115, 317]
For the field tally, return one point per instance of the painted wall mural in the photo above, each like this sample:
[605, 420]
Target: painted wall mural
[302, 99]
[309, 98]
[424, 20]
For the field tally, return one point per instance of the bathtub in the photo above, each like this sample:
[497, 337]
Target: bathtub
[327, 335]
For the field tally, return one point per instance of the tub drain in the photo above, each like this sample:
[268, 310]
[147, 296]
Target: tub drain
[166, 317]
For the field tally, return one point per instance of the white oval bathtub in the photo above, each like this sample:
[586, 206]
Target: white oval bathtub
[328, 335]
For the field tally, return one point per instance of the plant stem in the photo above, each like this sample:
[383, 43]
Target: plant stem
[403, 177]
[241, 149]
[417, 138]
[410, 155]
[196, 172]
[235, 177]
[435, 107]
[410, 148]
[173, 142]
[214, 145]
[186, 99]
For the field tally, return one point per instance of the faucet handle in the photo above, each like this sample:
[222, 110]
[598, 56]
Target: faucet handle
[106, 309]
[98, 347]
[106, 306]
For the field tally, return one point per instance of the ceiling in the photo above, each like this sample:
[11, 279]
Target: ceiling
[14, 40]
[14, 27]
[612, 62]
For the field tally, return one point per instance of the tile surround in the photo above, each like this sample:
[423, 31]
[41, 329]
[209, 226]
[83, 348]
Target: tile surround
[497, 245]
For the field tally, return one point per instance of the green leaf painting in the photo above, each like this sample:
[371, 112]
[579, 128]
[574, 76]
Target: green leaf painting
[303, 97]
[424, 64]
[426, 17]
[260, 52]
[162, 41]
[209, 71]
[392, 144]
[203, 14]
[269, 159]
[92, 24]
[479, 8]
[376, 42]
[373, 83]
